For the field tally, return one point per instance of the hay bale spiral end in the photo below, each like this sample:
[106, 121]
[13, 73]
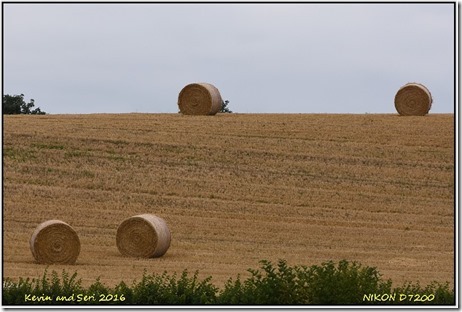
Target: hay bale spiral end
[55, 242]
[413, 99]
[143, 236]
[199, 99]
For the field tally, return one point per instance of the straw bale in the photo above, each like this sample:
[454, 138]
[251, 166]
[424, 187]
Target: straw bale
[199, 99]
[55, 242]
[143, 236]
[413, 99]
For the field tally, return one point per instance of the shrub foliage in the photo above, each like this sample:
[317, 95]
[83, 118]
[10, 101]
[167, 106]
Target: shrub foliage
[224, 107]
[15, 104]
[342, 283]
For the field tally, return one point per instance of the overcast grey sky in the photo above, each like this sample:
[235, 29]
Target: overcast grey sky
[264, 58]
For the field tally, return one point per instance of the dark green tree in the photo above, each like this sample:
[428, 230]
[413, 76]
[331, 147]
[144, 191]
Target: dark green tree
[15, 104]
[224, 107]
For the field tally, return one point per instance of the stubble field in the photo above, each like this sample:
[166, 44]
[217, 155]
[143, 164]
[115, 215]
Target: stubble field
[235, 189]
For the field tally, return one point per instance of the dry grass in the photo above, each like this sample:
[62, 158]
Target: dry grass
[235, 189]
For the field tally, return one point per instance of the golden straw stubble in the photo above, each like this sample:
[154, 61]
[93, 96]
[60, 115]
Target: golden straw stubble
[143, 236]
[55, 242]
[199, 99]
[413, 99]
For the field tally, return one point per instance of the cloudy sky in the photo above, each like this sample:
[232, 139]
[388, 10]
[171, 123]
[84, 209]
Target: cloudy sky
[264, 58]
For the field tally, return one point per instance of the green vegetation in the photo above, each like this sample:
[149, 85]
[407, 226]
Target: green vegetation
[344, 283]
[18, 154]
[224, 107]
[15, 104]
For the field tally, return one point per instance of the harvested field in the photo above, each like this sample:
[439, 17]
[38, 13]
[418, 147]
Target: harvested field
[235, 189]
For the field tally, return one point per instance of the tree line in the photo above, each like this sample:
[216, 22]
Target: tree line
[15, 104]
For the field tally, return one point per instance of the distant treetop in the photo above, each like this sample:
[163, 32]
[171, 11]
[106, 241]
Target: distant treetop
[15, 104]
[224, 107]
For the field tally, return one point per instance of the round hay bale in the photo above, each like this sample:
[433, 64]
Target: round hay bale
[199, 99]
[55, 242]
[143, 236]
[413, 99]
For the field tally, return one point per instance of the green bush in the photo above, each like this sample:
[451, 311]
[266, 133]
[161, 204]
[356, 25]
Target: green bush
[326, 284]
[342, 283]
[345, 283]
[273, 286]
[434, 293]
[41, 291]
[165, 289]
